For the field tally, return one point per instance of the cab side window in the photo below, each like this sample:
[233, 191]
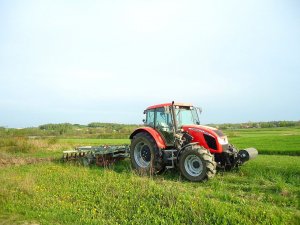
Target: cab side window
[150, 118]
[163, 120]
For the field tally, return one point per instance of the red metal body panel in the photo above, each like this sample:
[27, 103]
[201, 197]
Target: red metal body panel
[159, 106]
[168, 104]
[159, 141]
[197, 132]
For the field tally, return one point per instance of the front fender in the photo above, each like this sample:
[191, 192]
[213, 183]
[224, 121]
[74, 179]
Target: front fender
[156, 136]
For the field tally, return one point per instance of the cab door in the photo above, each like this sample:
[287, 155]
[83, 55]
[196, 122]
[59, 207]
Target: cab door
[164, 124]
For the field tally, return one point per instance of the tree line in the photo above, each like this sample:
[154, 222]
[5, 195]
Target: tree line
[270, 124]
[114, 130]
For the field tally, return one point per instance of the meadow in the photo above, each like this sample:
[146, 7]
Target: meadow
[263, 191]
[278, 141]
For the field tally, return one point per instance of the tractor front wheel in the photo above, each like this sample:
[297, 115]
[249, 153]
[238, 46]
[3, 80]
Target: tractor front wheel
[145, 155]
[197, 163]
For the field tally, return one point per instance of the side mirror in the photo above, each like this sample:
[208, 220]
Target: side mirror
[144, 121]
[199, 109]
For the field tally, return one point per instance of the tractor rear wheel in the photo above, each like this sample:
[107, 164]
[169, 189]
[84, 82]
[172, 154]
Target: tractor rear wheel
[197, 163]
[145, 155]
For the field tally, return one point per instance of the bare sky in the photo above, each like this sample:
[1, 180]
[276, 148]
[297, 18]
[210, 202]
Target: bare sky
[85, 61]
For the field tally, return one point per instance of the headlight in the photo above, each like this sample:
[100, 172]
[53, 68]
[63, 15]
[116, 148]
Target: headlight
[223, 140]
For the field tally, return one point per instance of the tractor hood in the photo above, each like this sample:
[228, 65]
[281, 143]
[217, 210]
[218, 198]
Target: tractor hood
[209, 137]
[204, 129]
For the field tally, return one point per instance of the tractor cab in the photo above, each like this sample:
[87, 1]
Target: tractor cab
[168, 119]
[174, 115]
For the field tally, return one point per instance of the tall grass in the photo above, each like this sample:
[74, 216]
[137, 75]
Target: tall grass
[19, 145]
[22, 146]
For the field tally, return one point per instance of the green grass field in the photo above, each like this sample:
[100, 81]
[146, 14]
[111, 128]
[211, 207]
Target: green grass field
[265, 190]
[268, 141]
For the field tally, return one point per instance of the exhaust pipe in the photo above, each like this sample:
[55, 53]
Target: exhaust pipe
[247, 154]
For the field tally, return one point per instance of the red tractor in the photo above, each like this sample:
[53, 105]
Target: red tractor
[173, 138]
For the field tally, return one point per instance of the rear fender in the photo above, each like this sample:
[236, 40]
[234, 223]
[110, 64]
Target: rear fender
[156, 136]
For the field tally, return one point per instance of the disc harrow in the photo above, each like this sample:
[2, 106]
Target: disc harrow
[100, 155]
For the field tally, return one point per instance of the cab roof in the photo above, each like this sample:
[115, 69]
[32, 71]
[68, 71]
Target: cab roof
[169, 104]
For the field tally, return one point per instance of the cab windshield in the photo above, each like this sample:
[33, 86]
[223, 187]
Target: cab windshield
[186, 116]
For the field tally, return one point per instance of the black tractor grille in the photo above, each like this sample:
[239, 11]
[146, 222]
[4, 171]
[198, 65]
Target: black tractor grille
[211, 141]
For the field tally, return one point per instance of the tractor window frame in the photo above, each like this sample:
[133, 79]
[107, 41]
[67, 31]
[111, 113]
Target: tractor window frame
[167, 130]
[152, 118]
[180, 113]
[168, 121]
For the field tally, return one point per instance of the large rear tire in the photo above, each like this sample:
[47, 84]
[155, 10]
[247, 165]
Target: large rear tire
[145, 155]
[197, 163]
